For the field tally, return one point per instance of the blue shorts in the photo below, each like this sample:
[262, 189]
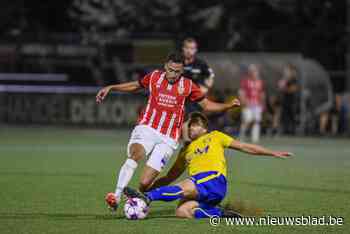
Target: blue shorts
[211, 187]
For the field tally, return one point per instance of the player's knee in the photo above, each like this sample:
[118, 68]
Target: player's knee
[136, 152]
[180, 213]
[183, 212]
[189, 190]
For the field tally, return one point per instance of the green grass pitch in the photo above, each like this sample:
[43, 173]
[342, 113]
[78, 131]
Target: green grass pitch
[54, 180]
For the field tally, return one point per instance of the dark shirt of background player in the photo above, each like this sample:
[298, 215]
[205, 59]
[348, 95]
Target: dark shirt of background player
[197, 70]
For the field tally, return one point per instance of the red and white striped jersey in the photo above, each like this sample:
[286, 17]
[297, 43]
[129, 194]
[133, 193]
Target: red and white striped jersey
[165, 107]
[253, 91]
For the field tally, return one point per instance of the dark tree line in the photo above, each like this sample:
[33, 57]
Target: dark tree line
[313, 27]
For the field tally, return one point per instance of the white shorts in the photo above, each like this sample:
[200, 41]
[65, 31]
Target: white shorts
[159, 148]
[252, 113]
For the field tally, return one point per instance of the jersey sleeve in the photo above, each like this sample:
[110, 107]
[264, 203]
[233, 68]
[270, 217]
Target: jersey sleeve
[144, 81]
[225, 140]
[196, 95]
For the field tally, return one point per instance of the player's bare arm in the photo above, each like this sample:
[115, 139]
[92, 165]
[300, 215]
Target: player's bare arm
[175, 172]
[210, 106]
[258, 150]
[127, 87]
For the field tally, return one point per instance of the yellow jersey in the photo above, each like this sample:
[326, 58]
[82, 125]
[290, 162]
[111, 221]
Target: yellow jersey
[206, 153]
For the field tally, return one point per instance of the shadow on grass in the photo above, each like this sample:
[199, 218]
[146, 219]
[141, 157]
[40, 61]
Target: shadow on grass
[162, 214]
[156, 214]
[295, 188]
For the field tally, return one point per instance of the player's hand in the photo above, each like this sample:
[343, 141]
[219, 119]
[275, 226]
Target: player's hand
[235, 103]
[102, 94]
[282, 154]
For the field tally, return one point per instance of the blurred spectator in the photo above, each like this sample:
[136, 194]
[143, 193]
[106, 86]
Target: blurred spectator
[273, 107]
[290, 99]
[334, 120]
[252, 97]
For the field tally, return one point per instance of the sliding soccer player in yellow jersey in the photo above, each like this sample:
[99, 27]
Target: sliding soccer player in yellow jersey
[202, 192]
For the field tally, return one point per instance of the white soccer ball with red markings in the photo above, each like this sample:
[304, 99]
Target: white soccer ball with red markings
[135, 208]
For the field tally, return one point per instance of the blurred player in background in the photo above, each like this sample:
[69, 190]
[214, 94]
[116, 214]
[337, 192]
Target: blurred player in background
[159, 126]
[290, 99]
[202, 192]
[199, 72]
[252, 96]
[195, 68]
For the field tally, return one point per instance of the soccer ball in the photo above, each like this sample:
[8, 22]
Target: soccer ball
[135, 208]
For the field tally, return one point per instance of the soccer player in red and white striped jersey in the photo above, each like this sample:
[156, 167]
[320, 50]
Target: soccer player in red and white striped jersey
[252, 94]
[165, 107]
[159, 126]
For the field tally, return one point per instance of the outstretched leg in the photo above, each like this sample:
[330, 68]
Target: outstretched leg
[185, 189]
[186, 209]
[136, 153]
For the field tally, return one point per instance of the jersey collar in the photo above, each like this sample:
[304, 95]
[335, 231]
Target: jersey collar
[176, 81]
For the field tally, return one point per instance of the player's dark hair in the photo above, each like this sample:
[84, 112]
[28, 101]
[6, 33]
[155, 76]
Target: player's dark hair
[175, 57]
[198, 118]
[189, 40]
